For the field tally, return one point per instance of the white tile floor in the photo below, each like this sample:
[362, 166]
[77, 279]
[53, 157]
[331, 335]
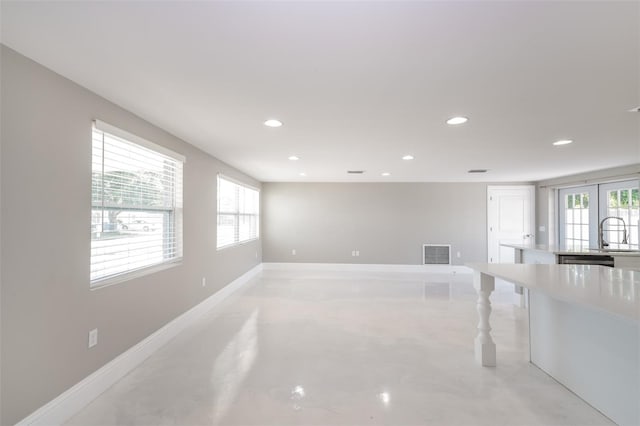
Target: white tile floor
[354, 348]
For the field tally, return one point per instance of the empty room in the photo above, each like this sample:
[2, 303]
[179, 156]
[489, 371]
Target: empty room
[319, 213]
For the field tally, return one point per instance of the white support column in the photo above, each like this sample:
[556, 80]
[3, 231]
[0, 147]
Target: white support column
[520, 298]
[485, 348]
[519, 291]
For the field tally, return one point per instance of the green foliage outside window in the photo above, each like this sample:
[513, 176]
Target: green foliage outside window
[624, 198]
[121, 189]
[577, 201]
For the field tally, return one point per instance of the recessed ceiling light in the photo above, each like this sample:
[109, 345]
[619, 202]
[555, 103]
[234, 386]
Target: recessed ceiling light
[294, 158]
[408, 157]
[273, 123]
[457, 120]
[303, 174]
[386, 174]
[563, 142]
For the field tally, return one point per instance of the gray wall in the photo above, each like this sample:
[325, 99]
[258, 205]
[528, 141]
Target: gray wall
[47, 308]
[546, 195]
[386, 222]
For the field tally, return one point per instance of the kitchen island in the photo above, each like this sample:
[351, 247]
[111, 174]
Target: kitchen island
[584, 329]
[544, 253]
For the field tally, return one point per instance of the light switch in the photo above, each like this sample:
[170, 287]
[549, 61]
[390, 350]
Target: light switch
[93, 337]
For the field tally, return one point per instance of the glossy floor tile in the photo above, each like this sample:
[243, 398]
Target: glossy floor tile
[348, 348]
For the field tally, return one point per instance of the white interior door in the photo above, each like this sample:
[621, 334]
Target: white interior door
[510, 219]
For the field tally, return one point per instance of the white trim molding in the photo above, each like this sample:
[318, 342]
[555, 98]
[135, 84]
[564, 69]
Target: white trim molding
[442, 269]
[62, 408]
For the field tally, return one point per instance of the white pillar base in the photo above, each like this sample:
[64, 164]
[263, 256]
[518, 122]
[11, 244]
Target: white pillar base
[485, 349]
[485, 353]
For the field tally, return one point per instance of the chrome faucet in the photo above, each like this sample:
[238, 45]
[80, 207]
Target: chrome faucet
[601, 241]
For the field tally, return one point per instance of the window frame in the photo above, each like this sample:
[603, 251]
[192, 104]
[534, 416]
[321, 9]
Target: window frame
[237, 214]
[603, 211]
[592, 191]
[175, 212]
[596, 200]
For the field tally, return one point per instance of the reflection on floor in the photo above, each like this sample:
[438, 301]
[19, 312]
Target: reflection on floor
[329, 348]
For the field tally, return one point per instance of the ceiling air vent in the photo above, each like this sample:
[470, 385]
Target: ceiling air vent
[436, 254]
[355, 172]
[477, 171]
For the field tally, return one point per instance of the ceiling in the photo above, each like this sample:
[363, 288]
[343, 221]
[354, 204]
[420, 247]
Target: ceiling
[360, 84]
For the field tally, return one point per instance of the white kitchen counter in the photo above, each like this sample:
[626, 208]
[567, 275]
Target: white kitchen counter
[551, 249]
[612, 290]
[584, 329]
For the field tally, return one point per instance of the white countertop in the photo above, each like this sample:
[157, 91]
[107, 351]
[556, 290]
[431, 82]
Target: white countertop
[612, 290]
[558, 250]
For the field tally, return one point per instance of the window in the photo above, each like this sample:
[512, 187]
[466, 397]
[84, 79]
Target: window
[620, 200]
[578, 210]
[582, 209]
[238, 213]
[136, 204]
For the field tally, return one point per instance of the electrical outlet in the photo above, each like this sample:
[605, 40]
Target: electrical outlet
[204, 282]
[293, 252]
[357, 253]
[353, 253]
[542, 228]
[93, 337]
[458, 255]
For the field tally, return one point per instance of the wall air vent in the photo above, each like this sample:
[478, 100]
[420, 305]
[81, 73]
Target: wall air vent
[436, 254]
[355, 172]
[477, 171]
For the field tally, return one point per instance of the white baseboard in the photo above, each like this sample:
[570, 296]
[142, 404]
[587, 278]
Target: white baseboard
[438, 269]
[74, 399]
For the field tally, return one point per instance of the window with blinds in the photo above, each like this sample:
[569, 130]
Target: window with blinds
[136, 204]
[238, 213]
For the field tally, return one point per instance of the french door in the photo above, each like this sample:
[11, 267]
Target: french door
[620, 201]
[578, 217]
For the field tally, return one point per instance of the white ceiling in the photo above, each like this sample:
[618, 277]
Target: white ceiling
[358, 85]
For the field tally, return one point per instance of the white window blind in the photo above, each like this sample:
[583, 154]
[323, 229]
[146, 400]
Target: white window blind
[238, 213]
[136, 204]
